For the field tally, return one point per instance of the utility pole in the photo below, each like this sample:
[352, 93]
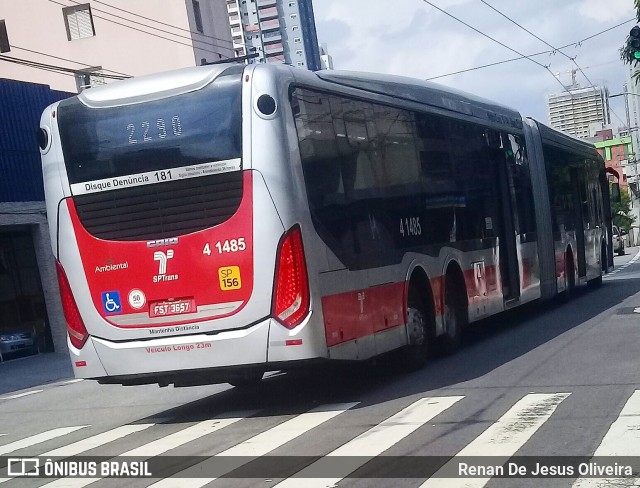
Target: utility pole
[626, 107]
[631, 168]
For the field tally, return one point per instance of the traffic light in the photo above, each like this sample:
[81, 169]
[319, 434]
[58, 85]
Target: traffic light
[634, 43]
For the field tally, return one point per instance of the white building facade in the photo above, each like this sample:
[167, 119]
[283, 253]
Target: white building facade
[280, 31]
[68, 44]
[576, 109]
[325, 57]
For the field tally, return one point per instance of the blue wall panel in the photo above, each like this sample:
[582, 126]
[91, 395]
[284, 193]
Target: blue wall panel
[311, 47]
[21, 105]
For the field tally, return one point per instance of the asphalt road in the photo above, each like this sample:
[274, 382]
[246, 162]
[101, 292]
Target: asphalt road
[551, 380]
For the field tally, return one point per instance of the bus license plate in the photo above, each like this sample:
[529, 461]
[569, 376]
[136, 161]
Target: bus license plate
[176, 307]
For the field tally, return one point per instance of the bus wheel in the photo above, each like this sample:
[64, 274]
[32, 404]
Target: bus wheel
[571, 276]
[597, 282]
[418, 331]
[246, 379]
[454, 315]
[603, 259]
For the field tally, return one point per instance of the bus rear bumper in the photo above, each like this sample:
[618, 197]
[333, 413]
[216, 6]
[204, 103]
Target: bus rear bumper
[187, 360]
[233, 347]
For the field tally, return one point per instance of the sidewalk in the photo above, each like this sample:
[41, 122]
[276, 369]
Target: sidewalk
[18, 374]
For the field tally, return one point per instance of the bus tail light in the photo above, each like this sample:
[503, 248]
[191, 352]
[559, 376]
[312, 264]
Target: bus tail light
[291, 288]
[75, 326]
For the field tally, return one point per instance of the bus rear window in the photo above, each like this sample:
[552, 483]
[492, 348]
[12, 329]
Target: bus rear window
[192, 128]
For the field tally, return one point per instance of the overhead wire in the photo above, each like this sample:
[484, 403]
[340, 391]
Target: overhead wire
[576, 44]
[143, 31]
[54, 68]
[94, 9]
[104, 72]
[164, 23]
[43, 68]
[555, 50]
[495, 40]
[13, 46]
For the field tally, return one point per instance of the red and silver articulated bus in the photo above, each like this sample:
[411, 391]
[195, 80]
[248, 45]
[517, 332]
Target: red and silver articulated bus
[214, 223]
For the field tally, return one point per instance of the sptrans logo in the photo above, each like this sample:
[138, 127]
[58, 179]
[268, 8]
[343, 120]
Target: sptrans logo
[162, 259]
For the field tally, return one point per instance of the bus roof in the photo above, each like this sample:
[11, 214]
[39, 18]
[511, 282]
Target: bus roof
[559, 138]
[154, 86]
[420, 91]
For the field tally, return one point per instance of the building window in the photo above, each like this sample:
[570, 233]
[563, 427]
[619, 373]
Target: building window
[197, 14]
[292, 4]
[295, 28]
[78, 21]
[299, 52]
[296, 39]
[300, 63]
[294, 16]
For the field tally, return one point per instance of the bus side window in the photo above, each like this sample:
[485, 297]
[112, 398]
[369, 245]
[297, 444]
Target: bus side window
[326, 164]
[522, 187]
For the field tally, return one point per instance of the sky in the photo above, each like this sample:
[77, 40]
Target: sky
[412, 38]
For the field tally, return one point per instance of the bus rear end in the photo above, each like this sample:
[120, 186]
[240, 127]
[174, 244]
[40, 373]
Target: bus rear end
[173, 264]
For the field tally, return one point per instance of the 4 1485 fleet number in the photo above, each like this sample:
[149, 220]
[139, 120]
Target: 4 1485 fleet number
[229, 245]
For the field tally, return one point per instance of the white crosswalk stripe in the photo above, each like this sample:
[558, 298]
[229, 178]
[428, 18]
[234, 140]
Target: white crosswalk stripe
[375, 441]
[503, 438]
[622, 439]
[38, 438]
[160, 446]
[262, 444]
[97, 440]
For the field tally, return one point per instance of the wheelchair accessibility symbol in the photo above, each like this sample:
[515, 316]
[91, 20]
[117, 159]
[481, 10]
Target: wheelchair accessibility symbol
[111, 302]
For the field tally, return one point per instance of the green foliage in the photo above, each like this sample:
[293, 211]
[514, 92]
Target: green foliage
[621, 210]
[628, 54]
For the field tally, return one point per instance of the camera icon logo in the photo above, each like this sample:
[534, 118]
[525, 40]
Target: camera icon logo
[23, 467]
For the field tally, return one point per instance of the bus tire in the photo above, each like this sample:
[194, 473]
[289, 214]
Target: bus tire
[595, 283]
[419, 330]
[455, 316]
[570, 276]
[604, 262]
[246, 379]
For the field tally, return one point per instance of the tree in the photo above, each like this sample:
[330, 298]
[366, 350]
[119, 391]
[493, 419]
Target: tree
[621, 210]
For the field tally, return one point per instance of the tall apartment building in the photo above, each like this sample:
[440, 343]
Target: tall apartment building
[325, 58]
[574, 110]
[281, 31]
[96, 41]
